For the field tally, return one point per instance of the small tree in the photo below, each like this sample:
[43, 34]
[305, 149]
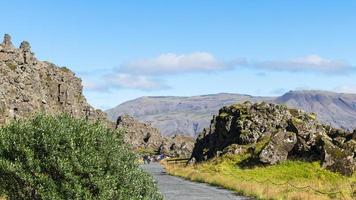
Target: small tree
[64, 158]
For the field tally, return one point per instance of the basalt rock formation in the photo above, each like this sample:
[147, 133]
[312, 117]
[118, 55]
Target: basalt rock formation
[28, 85]
[139, 135]
[177, 146]
[282, 133]
[145, 139]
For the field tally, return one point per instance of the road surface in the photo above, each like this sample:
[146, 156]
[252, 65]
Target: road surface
[174, 188]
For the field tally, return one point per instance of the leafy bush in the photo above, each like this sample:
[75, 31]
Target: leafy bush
[64, 158]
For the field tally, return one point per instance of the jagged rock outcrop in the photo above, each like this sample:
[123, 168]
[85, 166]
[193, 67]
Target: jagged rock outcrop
[139, 135]
[177, 146]
[144, 138]
[28, 85]
[283, 133]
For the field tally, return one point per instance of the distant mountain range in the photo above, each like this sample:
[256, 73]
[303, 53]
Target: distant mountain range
[189, 115]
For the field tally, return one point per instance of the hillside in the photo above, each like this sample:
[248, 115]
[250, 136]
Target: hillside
[29, 86]
[336, 109]
[189, 115]
[178, 115]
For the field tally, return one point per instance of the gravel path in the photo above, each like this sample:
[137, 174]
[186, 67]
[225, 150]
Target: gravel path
[174, 188]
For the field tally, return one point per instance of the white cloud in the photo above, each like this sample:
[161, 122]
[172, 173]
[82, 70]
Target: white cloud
[94, 85]
[170, 63]
[129, 81]
[124, 81]
[307, 63]
[346, 89]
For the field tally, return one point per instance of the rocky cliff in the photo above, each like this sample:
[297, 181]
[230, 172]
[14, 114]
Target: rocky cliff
[279, 133]
[145, 139]
[28, 85]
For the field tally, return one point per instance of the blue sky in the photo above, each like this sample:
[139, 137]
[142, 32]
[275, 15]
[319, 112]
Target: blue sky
[127, 49]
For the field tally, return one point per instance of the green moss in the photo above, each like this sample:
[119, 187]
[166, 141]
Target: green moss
[223, 115]
[297, 121]
[312, 116]
[12, 66]
[48, 78]
[252, 151]
[334, 150]
[293, 112]
[245, 132]
[261, 144]
[146, 151]
[65, 69]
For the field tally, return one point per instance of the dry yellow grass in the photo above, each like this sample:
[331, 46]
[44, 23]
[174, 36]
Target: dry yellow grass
[223, 172]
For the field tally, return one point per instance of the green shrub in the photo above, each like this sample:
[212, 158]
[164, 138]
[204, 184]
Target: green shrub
[65, 69]
[64, 158]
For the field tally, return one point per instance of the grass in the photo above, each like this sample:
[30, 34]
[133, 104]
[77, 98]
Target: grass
[269, 182]
[145, 151]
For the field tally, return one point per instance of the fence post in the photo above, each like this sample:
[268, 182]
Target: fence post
[251, 187]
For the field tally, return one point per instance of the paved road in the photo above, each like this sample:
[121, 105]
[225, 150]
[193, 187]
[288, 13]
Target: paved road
[174, 188]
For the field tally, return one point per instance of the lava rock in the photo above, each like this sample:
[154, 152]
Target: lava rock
[278, 147]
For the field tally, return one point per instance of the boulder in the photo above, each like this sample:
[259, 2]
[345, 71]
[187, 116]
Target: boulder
[278, 147]
[234, 149]
[338, 160]
[240, 124]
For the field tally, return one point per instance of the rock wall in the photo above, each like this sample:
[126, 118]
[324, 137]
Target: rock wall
[283, 133]
[139, 135]
[144, 139]
[28, 86]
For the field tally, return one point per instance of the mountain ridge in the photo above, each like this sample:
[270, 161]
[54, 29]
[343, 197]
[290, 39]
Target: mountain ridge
[182, 114]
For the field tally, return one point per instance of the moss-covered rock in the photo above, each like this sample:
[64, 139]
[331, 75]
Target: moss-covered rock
[338, 159]
[295, 134]
[278, 148]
